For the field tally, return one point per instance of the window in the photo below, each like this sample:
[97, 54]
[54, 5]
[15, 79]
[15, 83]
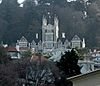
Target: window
[49, 37]
[49, 45]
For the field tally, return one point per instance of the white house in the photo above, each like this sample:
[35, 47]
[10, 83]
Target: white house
[88, 79]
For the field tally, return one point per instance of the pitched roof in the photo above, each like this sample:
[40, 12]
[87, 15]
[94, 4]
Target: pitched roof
[23, 39]
[23, 48]
[36, 58]
[84, 75]
[75, 38]
[11, 48]
[66, 41]
[33, 42]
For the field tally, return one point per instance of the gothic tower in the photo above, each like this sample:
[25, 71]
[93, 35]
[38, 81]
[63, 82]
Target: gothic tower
[44, 24]
[49, 34]
[44, 21]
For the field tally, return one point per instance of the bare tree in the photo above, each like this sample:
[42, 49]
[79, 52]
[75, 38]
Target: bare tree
[41, 73]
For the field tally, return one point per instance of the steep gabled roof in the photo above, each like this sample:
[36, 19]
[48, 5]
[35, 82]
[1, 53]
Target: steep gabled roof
[66, 41]
[23, 39]
[76, 38]
[33, 42]
[59, 41]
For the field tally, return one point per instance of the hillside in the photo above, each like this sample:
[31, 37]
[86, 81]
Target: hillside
[81, 17]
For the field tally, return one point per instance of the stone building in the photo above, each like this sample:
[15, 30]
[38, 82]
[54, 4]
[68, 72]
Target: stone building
[76, 42]
[49, 34]
[22, 44]
[50, 39]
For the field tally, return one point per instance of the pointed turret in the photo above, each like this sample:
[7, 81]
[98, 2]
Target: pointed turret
[83, 43]
[44, 21]
[56, 22]
[37, 35]
[63, 35]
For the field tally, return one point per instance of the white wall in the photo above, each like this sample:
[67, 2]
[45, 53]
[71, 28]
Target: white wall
[92, 79]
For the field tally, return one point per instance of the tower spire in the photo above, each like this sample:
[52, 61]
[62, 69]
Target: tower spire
[83, 43]
[44, 21]
[56, 26]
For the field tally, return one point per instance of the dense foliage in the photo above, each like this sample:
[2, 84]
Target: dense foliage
[4, 58]
[68, 64]
[31, 72]
[16, 21]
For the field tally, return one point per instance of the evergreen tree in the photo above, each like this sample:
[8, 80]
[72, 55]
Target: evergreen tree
[15, 21]
[68, 64]
[4, 58]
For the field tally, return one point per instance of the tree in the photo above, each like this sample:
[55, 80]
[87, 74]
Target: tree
[27, 54]
[68, 64]
[16, 21]
[14, 72]
[12, 19]
[82, 52]
[41, 73]
[37, 72]
[4, 58]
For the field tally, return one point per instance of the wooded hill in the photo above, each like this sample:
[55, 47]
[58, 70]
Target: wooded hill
[80, 17]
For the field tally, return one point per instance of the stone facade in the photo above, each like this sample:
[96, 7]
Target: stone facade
[22, 42]
[76, 42]
[49, 34]
[50, 39]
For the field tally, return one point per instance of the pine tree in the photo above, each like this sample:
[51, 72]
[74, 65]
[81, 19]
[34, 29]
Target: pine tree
[68, 64]
[4, 58]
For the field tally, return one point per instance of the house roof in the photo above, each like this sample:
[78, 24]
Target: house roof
[11, 49]
[23, 48]
[36, 58]
[33, 42]
[75, 38]
[84, 75]
[23, 39]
